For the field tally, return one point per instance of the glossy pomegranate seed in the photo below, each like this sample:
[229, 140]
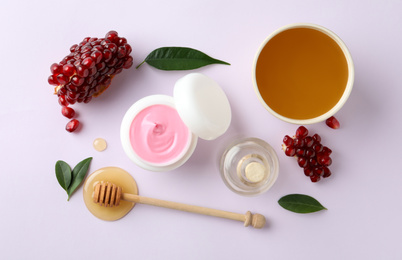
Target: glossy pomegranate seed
[302, 161]
[68, 112]
[308, 171]
[318, 171]
[327, 172]
[333, 122]
[316, 138]
[298, 142]
[72, 125]
[63, 101]
[121, 52]
[287, 140]
[52, 80]
[317, 147]
[56, 69]
[326, 151]
[310, 153]
[324, 160]
[112, 36]
[312, 162]
[68, 70]
[300, 152]
[301, 132]
[290, 151]
[88, 63]
[315, 178]
[309, 141]
[62, 79]
[77, 81]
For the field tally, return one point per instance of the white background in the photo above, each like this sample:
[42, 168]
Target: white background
[363, 197]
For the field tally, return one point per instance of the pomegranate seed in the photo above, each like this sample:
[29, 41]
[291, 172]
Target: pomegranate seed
[318, 171]
[77, 81]
[324, 160]
[333, 122]
[68, 70]
[97, 56]
[122, 41]
[310, 153]
[302, 161]
[112, 36]
[317, 138]
[62, 79]
[326, 151]
[287, 140]
[121, 52]
[88, 63]
[315, 178]
[72, 48]
[300, 152]
[301, 132]
[72, 125]
[327, 172]
[309, 141]
[56, 69]
[317, 147]
[312, 162]
[290, 151]
[308, 171]
[82, 71]
[68, 112]
[52, 80]
[128, 49]
[298, 142]
[63, 101]
[107, 55]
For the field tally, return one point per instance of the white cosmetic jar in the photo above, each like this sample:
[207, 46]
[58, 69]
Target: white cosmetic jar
[202, 106]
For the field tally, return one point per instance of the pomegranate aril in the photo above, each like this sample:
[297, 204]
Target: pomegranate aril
[319, 171]
[310, 153]
[82, 71]
[315, 178]
[326, 151]
[88, 63]
[298, 142]
[122, 41]
[302, 161]
[327, 172]
[67, 112]
[97, 56]
[56, 69]
[308, 141]
[52, 80]
[290, 151]
[317, 147]
[324, 160]
[301, 132]
[300, 152]
[112, 36]
[62, 79]
[107, 55]
[72, 125]
[317, 138]
[333, 122]
[287, 140]
[312, 162]
[63, 101]
[70, 100]
[77, 81]
[121, 52]
[308, 171]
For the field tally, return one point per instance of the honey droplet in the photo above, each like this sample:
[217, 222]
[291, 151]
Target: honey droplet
[99, 144]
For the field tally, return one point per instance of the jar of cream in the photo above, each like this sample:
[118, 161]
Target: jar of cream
[160, 132]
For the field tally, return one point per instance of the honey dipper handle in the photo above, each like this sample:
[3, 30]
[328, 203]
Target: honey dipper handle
[256, 220]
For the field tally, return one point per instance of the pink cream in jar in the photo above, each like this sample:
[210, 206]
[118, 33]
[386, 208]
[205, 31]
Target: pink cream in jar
[160, 132]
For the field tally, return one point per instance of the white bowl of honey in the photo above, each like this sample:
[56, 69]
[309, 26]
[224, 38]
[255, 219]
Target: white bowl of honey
[303, 73]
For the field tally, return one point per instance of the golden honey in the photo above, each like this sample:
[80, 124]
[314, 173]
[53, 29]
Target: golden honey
[301, 73]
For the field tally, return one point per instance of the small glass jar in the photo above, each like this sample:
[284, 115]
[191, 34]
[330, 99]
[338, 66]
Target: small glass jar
[249, 166]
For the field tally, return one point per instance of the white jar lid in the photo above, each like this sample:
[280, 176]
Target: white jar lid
[202, 105]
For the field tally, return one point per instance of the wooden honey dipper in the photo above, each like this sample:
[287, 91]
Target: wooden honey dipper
[108, 194]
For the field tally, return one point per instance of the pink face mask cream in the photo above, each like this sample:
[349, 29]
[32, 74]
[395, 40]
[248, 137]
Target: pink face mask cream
[160, 132]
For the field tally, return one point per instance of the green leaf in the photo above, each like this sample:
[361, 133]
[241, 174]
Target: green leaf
[300, 203]
[179, 58]
[63, 174]
[79, 172]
